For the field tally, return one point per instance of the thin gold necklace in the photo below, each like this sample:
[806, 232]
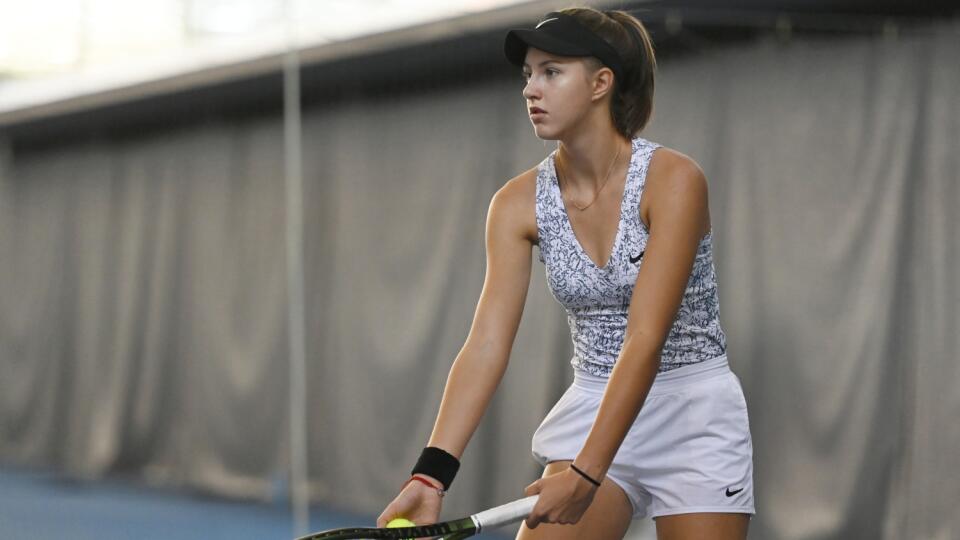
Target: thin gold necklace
[605, 180]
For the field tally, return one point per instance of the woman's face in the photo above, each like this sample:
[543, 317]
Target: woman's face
[558, 85]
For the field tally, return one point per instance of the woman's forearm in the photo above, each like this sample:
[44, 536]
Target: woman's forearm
[473, 379]
[627, 389]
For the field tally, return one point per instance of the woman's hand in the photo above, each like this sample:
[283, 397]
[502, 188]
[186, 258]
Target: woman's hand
[564, 497]
[417, 502]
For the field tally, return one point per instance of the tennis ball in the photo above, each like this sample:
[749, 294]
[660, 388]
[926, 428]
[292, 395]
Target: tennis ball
[400, 522]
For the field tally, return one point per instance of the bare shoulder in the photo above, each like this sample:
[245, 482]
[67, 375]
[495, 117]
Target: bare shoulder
[515, 203]
[669, 166]
[673, 175]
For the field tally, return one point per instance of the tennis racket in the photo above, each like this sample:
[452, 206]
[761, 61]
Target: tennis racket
[456, 529]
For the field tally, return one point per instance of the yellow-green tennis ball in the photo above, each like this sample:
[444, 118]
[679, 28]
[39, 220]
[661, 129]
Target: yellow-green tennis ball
[396, 523]
[400, 522]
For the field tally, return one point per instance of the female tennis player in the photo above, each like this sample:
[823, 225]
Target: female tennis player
[655, 423]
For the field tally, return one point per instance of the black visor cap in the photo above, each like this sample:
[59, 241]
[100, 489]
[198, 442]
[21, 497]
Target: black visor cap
[560, 34]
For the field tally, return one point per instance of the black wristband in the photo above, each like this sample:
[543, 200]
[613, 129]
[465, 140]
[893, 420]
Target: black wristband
[583, 474]
[439, 464]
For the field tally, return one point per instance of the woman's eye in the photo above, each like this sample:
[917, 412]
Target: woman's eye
[548, 71]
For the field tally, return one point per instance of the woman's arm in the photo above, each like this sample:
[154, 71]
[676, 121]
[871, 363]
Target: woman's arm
[678, 220]
[679, 217]
[482, 360]
[478, 368]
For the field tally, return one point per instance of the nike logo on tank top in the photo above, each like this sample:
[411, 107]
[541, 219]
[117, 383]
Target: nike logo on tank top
[597, 299]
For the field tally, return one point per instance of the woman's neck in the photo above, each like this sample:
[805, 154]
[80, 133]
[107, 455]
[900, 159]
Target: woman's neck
[587, 160]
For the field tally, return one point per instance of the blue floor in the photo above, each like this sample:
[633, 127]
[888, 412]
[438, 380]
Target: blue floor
[42, 506]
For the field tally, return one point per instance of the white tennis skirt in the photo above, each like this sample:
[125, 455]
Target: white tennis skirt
[689, 449]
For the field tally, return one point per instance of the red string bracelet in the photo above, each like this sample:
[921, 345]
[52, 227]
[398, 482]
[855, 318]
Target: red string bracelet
[424, 481]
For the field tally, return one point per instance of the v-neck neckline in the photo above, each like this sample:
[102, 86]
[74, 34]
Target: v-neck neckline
[634, 144]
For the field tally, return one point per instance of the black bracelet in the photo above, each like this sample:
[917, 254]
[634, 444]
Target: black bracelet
[583, 474]
[439, 464]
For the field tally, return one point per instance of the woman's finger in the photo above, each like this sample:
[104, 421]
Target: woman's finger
[391, 512]
[384, 517]
[394, 509]
[538, 513]
[533, 488]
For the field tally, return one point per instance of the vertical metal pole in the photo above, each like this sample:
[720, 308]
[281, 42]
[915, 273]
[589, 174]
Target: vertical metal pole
[299, 485]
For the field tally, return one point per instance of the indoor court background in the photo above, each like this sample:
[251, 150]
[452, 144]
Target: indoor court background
[222, 272]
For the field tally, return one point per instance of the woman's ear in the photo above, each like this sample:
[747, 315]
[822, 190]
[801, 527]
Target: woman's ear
[602, 82]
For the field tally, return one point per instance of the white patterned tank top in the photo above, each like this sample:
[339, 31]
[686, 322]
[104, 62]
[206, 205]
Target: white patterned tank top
[597, 299]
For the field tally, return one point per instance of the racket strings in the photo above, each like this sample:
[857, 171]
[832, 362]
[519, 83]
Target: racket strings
[398, 533]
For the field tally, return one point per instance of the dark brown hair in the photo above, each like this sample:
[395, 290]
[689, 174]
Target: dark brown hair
[631, 104]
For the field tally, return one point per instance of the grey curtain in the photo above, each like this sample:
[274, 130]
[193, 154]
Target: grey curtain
[142, 322]
[142, 287]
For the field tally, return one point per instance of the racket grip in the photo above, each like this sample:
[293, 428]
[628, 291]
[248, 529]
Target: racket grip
[505, 513]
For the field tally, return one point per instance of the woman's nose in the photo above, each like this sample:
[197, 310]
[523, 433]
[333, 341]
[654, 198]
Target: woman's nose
[530, 90]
